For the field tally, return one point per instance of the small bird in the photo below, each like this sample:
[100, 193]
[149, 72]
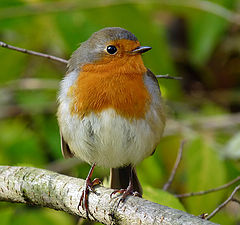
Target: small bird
[110, 110]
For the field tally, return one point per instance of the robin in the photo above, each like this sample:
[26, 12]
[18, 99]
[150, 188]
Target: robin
[110, 110]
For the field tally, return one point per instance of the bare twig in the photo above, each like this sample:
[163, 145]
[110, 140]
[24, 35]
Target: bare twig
[166, 76]
[33, 9]
[210, 190]
[223, 204]
[174, 170]
[4, 45]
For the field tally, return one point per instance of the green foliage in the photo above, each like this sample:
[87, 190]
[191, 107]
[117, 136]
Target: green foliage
[205, 32]
[19, 216]
[19, 144]
[197, 40]
[205, 170]
[151, 171]
[162, 197]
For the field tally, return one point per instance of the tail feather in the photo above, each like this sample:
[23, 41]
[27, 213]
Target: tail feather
[119, 178]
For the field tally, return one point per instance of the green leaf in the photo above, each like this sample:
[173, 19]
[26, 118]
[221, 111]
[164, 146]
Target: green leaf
[167, 151]
[162, 197]
[150, 171]
[205, 170]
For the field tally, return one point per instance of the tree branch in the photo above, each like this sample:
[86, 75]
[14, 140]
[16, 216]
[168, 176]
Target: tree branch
[49, 189]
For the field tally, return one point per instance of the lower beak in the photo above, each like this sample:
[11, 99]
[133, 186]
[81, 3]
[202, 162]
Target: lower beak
[141, 49]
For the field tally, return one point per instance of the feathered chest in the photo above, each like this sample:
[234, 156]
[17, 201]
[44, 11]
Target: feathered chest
[95, 92]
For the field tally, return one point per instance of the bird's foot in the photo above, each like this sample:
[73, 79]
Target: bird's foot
[89, 185]
[126, 192]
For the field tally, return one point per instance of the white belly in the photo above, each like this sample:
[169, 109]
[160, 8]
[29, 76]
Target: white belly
[109, 140]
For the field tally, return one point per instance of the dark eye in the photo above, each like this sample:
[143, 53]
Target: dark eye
[111, 49]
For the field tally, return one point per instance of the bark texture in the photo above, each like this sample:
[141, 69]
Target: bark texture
[49, 189]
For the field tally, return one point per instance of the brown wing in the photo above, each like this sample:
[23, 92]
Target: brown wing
[65, 148]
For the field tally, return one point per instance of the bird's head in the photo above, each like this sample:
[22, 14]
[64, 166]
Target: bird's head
[109, 48]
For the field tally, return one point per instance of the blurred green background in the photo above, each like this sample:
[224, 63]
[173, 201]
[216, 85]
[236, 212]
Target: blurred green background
[197, 40]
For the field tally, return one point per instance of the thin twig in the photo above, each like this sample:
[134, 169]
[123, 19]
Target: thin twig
[174, 170]
[4, 45]
[166, 76]
[210, 190]
[224, 203]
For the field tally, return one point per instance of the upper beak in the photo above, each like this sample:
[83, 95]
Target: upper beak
[141, 49]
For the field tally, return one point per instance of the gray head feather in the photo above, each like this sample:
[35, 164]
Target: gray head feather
[93, 49]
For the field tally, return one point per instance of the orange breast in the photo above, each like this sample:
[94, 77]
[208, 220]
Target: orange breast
[117, 84]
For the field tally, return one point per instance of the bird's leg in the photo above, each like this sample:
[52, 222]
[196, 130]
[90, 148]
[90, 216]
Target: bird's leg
[128, 191]
[88, 187]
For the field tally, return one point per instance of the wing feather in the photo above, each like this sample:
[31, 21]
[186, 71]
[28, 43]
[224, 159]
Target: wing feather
[65, 148]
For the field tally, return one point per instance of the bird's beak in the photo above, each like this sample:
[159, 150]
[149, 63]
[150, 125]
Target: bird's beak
[141, 49]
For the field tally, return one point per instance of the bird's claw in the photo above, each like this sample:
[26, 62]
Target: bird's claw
[95, 182]
[89, 185]
[85, 192]
[125, 193]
